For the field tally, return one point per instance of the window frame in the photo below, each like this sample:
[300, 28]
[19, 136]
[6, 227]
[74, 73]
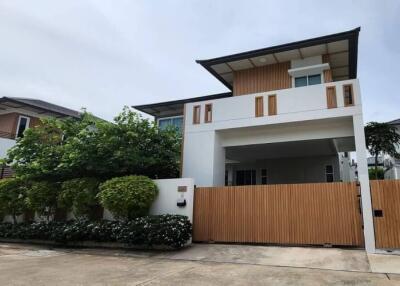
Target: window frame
[28, 121]
[352, 95]
[169, 117]
[264, 176]
[259, 106]
[253, 177]
[321, 76]
[329, 173]
[208, 119]
[196, 114]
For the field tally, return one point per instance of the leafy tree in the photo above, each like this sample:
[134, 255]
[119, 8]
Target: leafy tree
[79, 196]
[381, 138]
[128, 197]
[89, 147]
[12, 197]
[373, 176]
[42, 197]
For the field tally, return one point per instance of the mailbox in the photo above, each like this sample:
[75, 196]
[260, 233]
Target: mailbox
[181, 202]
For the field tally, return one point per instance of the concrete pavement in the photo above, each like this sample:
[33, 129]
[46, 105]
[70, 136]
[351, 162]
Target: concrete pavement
[197, 265]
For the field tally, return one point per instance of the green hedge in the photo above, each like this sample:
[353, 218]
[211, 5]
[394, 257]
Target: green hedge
[166, 230]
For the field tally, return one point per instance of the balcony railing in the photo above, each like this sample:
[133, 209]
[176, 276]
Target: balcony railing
[300, 100]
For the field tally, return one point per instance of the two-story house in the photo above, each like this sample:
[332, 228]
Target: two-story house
[291, 111]
[18, 114]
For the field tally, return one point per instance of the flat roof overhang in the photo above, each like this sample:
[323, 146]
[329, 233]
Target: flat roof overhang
[342, 48]
[175, 107]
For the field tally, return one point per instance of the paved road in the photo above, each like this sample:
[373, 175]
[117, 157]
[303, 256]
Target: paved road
[198, 265]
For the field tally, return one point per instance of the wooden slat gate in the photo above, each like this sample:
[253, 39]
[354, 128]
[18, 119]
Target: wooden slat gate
[321, 213]
[386, 207]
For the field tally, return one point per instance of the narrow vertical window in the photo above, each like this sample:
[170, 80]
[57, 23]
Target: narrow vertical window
[329, 173]
[331, 97]
[208, 113]
[348, 95]
[259, 106]
[196, 114]
[23, 124]
[263, 176]
[272, 105]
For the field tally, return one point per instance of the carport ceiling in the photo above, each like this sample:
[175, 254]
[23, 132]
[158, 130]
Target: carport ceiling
[323, 147]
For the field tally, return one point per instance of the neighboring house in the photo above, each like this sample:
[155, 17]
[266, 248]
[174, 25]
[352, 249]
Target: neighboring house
[393, 164]
[291, 111]
[18, 114]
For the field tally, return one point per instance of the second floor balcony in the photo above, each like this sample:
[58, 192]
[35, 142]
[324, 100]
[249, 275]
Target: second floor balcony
[333, 99]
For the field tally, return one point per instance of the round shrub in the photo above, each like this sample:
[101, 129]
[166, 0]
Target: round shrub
[79, 196]
[42, 197]
[12, 197]
[128, 197]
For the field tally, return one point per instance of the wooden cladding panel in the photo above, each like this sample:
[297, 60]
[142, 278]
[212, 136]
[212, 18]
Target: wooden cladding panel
[284, 214]
[196, 114]
[261, 79]
[327, 73]
[208, 113]
[272, 105]
[259, 106]
[331, 97]
[348, 95]
[385, 196]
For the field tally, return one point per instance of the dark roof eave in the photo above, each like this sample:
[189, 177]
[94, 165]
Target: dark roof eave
[41, 108]
[351, 35]
[181, 101]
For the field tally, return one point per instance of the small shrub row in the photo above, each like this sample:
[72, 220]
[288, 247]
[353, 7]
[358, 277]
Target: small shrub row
[166, 230]
[125, 197]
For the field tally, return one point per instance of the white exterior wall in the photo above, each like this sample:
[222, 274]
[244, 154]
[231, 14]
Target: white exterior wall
[293, 105]
[5, 145]
[168, 195]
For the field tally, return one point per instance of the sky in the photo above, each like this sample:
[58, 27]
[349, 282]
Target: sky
[102, 55]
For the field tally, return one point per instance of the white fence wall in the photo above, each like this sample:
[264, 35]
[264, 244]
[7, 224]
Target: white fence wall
[169, 191]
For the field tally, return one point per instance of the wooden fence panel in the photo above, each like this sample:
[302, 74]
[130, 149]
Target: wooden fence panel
[280, 214]
[386, 205]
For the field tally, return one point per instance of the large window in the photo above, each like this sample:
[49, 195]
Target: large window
[245, 177]
[176, 122]
[307, 80]
[23, 124]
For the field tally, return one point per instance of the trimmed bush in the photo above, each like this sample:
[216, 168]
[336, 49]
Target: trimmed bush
[162, 230]
[128, 197]
[42, 197]
[79, 196]
[12, 198]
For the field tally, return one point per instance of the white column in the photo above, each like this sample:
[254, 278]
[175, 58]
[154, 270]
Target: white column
[198, 158]
[362, 168]
[218, 163]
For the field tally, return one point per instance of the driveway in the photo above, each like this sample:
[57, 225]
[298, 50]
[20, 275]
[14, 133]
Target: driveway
[200, 264]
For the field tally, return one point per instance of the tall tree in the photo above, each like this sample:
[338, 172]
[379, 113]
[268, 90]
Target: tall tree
[59, 150]
[381, 138]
